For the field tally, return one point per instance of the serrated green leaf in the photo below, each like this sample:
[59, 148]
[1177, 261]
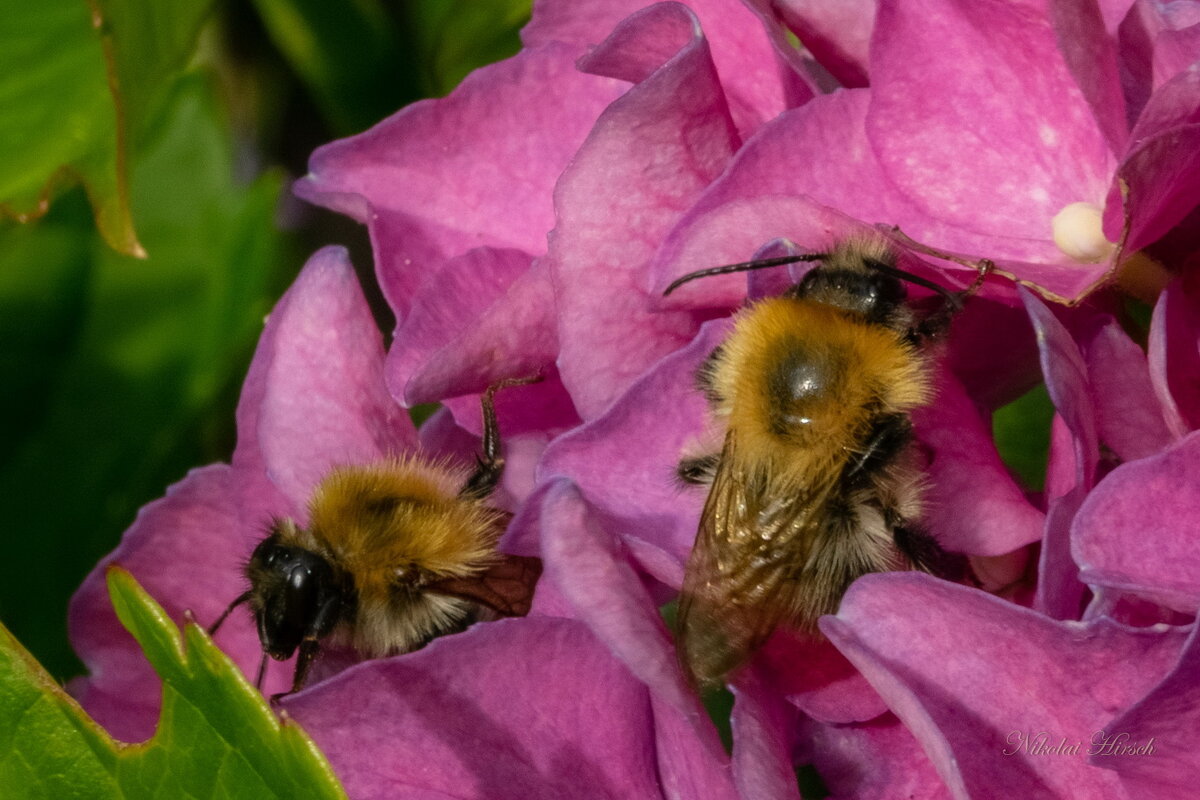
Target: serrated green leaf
[217, 737]
[59, 122]
[76, 80]
[1021, 430]
[124, 371]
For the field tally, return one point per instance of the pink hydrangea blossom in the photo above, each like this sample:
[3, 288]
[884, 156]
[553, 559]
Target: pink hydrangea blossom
[529, 223]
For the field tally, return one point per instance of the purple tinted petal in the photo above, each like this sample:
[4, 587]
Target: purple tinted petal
[323, 401]
[1162, 177]
[624, 461]
[648, 157]
[751, 73]
[1154, 746]
[1129, 418]
[965, 471]
[473, 169]
[817, 679]
[187, 550]
[1174, 356]
[588, 567]
[1089, 51]
[528, 708]
[977, 118]
[799, 178]
[687, 765]
[1060, 592]
[879, 760]
[837, 34]
[483, 317]
[763, 725]
[973, 676]
[1133, 531]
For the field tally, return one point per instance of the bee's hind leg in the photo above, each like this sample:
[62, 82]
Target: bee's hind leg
[489, 467]
[925, 554]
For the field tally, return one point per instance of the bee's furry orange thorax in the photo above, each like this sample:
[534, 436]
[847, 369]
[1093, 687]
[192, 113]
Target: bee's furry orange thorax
[797, 374]
[401, 514]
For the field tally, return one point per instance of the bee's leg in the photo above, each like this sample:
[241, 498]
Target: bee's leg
[983, 266]
[890, 433]
[925, 554]
[322, 623]
[490, 466]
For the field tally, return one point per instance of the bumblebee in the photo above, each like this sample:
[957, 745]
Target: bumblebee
[816, 481]
[395, 553]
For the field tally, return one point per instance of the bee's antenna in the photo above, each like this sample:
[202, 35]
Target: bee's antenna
[240, 599]
[760, 263]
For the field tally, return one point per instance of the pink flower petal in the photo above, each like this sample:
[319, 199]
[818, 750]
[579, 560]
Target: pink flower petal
[1088, 46]
[817, 679]
[528, 708]
[977, 118]
[837, 34]
[624, 461]
[751, 71]
[186, 549]
[1132, 532]
[879, 759]
[1174, 356]
[648, 157]
[483, 317]
[763, 726]
[588, 567]
[1060, 592]
[585, 563]
[1164, 725]
[1129, 418]
[965, 471]
[473, 169]
[973, 676]
[324, 401]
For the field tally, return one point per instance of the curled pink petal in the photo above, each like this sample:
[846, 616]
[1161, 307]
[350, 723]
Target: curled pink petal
[1132, 531]
[615, 202]
[879, 759]
[324, 402]
[1153, 745]
[1174, 356]
[1060, 592]
[474, 169]
[981, 682]
[1129, 418]
[755, 78]
[569, 715]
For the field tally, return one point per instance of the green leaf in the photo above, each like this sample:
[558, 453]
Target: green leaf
[1021, 430]
[216, 738]
[456, 38]
[347, 53]
[75, 79]
[124, 372]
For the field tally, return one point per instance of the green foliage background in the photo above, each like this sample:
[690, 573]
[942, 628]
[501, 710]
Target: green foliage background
[120, 373]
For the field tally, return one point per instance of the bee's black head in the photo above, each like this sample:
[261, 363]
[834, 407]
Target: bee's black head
[295, 595]
[869, 292]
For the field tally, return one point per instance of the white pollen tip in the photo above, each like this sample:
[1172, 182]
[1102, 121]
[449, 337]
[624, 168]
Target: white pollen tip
[1079, 232]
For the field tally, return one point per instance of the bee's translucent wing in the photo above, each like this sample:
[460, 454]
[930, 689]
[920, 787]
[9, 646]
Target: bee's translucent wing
[506, 586]
[744, 573]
